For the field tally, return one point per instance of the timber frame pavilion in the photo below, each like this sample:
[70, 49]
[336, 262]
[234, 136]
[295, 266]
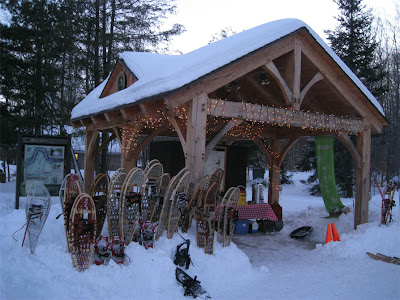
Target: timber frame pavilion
[291, 86]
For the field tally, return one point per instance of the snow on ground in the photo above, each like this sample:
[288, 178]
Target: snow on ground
[255, 266]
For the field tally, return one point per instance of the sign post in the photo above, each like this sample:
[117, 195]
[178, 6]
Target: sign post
[46, 159]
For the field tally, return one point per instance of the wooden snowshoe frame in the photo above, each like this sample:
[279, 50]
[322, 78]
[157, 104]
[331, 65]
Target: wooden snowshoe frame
[73, 188]
[151, 189]
[175, 210]
[387, 202]
[226, 223]
[192, 205]
[131, 203]
[38, 199]
[98, 191]
[164, 214]
[163, 183]
[82, 232]
[113, 202]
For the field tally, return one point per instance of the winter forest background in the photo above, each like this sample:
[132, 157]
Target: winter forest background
[54, 52]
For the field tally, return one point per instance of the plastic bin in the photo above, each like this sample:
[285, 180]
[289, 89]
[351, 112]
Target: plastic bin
[241, 227]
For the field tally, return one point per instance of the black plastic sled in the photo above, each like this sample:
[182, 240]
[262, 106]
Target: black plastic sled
[192, 286]
[301, 233]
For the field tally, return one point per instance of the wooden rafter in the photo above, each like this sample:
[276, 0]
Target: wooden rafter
[317, 77]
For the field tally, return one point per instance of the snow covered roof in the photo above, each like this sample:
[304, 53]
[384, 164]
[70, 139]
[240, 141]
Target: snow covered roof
[158, 74]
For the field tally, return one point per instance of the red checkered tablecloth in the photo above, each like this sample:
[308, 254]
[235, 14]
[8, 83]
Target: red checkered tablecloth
[253, 211]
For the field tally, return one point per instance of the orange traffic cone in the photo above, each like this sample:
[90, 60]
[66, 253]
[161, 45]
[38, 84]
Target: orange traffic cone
[336, 237]
[329, 237]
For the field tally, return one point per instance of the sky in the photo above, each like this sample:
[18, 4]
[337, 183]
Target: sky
[202, 19]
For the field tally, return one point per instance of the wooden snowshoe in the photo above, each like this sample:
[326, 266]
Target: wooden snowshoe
[82, 231]
[163, 183]
[388, 202]
[167, 200]
[192, 205]
[152, 177]
[179, 203]
[131, 204]
[37, 209]
[98, 191]
[73, 188]
[227, 216]
[113, 202]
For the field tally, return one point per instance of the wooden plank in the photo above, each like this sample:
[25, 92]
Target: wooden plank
[232, 71]
[282, 116]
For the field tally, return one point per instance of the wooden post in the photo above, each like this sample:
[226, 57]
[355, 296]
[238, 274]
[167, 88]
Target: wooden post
[363, 176]
[274, 172]
[89, 164]
[196, 137]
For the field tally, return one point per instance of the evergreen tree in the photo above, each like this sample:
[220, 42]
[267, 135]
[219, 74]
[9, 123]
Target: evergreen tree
[353, 41]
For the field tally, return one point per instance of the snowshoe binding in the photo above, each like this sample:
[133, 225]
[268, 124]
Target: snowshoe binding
[148, 230]
[182, 257]
[192, 286]
[118, 250]
[102, 251]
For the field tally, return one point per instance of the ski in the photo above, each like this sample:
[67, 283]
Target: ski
[385, 258]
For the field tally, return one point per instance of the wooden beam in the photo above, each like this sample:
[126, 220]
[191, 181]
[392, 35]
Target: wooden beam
[363, 177]
[317, 77]
[274, 172]
[104, 145]
[196, 137]
[286, 149]
[297, 74]
[214, 141]
[345, 139]
[180, 131]
[89, 165]
[136, 151]
[273, 70]
[231, 72]
[282, 116]
[143, 108]
[263, 149]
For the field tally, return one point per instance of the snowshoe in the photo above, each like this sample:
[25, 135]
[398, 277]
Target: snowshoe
[182, 257]
[102, 251]
[118, 250]
[192, 286]
[148, 234]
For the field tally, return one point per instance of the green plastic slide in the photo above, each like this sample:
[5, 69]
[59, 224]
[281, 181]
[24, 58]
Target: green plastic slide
[326, 174]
